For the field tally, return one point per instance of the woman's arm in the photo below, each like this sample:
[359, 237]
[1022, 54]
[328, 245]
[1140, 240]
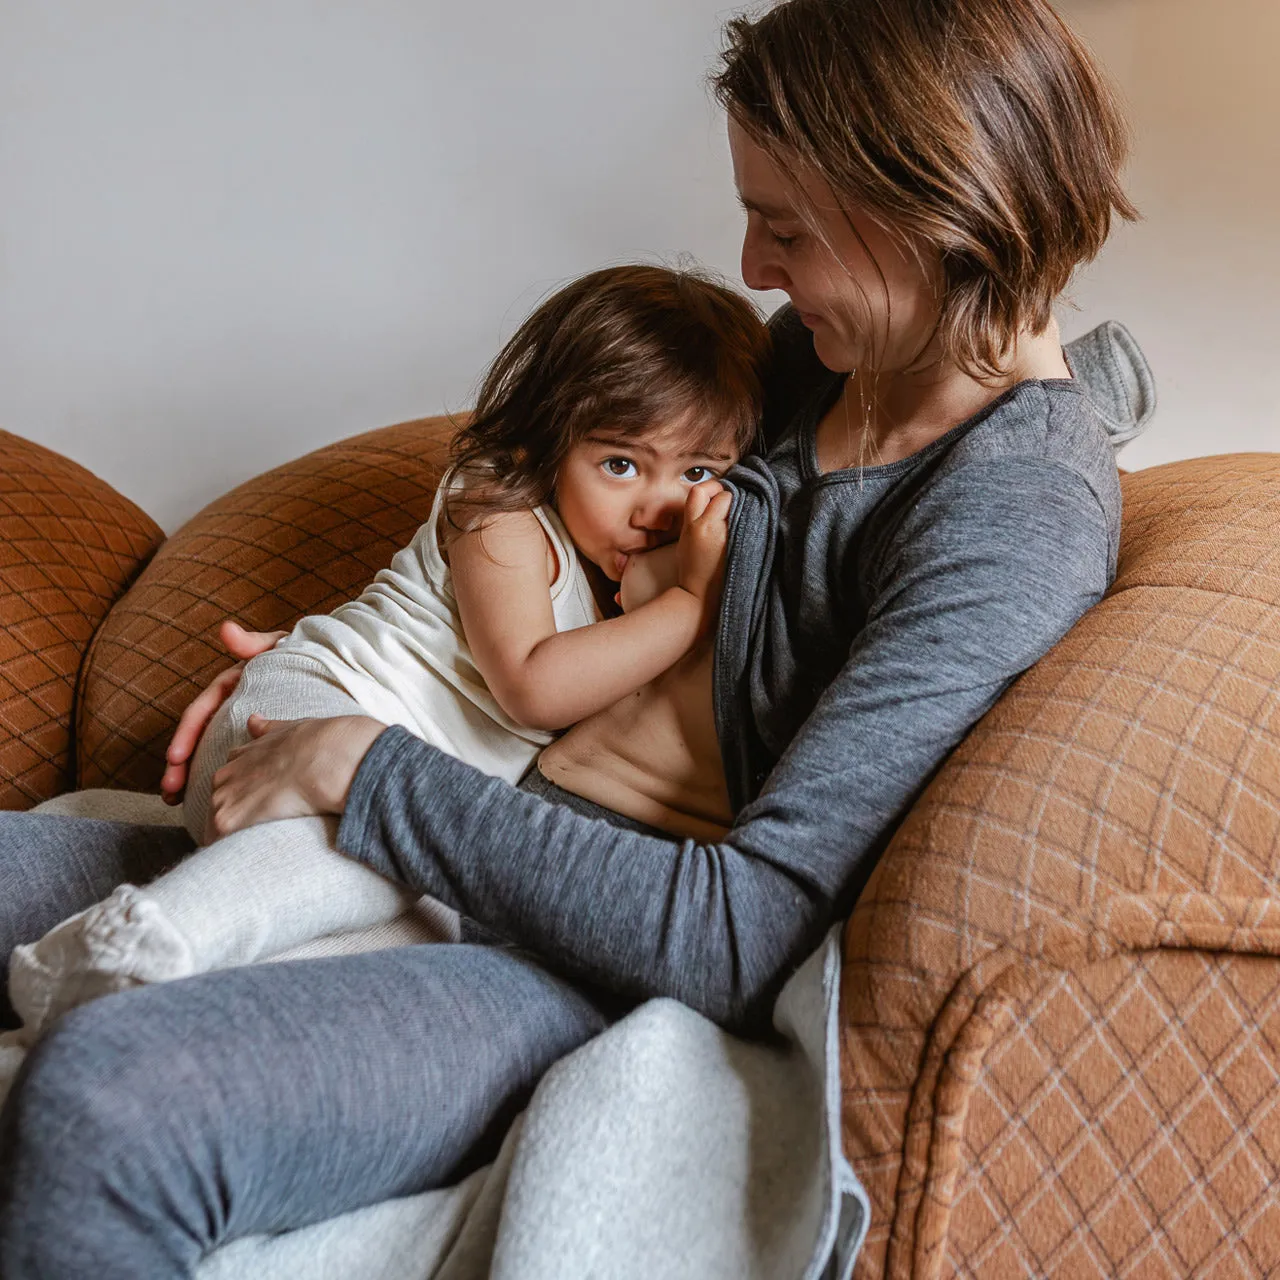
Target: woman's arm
[546, 679]
[979, 593]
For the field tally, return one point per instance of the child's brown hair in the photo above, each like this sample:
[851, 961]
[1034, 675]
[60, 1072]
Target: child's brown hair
[980, 128]
[625, 349]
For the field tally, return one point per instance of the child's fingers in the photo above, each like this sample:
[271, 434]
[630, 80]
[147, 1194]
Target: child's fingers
[715, 514]
[700, 496]
[719, 506]
[694, 505]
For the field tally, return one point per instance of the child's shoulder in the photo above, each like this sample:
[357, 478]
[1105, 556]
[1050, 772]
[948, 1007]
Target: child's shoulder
[499, 542]
[523, 522]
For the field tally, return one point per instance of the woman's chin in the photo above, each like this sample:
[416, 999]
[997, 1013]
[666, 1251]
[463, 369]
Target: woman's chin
[834, 354]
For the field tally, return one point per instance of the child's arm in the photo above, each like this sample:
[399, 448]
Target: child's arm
[547, 679]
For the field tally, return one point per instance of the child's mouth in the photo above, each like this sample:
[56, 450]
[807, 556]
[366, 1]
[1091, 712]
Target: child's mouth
[622, 558]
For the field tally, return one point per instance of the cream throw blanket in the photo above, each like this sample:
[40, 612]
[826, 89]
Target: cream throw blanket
[663, 1147]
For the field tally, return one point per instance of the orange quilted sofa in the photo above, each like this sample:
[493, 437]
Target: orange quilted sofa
[1061, 995]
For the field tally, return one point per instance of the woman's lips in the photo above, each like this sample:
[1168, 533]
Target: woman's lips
[808, 319]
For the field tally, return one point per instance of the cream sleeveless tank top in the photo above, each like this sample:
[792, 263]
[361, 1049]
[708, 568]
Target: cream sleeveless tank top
[400, 651]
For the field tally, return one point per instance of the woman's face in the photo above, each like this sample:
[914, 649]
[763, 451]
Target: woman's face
[832, 274]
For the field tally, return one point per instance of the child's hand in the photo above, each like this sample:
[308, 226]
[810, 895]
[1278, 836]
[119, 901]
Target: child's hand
[704, 535]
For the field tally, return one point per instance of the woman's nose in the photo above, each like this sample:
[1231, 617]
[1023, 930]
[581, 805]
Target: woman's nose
[760, 266]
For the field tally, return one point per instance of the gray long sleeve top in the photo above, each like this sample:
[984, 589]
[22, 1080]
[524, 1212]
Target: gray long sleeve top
[870, 617]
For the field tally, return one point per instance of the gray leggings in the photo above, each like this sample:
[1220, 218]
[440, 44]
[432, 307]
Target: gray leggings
[151, 1126]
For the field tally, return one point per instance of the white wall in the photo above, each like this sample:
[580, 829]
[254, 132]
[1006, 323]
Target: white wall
[1198, 281]
[233, 232]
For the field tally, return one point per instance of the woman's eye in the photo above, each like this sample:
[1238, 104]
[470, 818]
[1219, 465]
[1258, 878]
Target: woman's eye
[620, 467]
[696, 475]
[782, 241]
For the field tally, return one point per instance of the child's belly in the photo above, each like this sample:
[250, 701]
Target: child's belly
[653, 756]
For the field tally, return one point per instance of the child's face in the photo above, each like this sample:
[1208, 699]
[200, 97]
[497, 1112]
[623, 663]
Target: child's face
[621, 495]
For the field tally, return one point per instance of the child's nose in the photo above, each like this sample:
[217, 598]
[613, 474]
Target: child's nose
[660, 511]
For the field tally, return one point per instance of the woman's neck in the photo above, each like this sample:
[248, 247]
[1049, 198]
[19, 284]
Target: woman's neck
[885, 418]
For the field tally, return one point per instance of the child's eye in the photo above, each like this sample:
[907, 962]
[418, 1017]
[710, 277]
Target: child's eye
[696, 475]
[623, 468]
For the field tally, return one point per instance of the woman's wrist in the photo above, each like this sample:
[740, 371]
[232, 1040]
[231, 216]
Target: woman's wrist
[289, 769]
[345, 744]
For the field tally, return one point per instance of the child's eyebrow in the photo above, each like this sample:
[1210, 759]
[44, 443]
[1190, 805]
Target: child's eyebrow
[620, 442]
[631, 446]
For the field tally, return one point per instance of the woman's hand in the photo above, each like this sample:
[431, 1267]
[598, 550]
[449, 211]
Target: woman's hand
[195, 719]
[291, 769]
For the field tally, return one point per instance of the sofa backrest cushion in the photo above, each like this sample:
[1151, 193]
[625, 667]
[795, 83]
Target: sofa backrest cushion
[69, 545]
[299, 539]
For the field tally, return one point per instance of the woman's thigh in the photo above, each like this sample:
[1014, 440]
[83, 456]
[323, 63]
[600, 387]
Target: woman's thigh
[51, 867]
[151, 1126]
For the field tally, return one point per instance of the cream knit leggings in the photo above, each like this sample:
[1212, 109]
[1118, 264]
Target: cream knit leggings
[299, 886]
[276, 684]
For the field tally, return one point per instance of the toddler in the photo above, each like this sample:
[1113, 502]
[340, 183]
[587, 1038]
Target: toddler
[596, 433]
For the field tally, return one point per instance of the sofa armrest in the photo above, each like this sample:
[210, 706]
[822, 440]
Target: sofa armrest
[1061, 995]
[69, 547]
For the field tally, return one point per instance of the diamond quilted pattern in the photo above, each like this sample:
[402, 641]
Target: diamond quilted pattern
[69, 545]
[1060, 1047]
[1169, 1082]
[300, 539]
[1208, 524]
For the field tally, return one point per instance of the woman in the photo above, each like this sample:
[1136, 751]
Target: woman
[938, 505]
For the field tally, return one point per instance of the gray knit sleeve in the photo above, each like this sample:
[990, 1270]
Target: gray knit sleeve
[984, 574]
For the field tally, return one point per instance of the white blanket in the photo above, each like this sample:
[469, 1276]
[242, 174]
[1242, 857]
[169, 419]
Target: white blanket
[664, 1147]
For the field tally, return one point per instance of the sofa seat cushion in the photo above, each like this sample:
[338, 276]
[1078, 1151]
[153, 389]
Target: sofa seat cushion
[69, 545]
[300, 539]
[1061, 1039]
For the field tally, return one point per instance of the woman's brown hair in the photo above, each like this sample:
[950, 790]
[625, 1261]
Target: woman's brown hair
[980, 128]
[625, 349]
